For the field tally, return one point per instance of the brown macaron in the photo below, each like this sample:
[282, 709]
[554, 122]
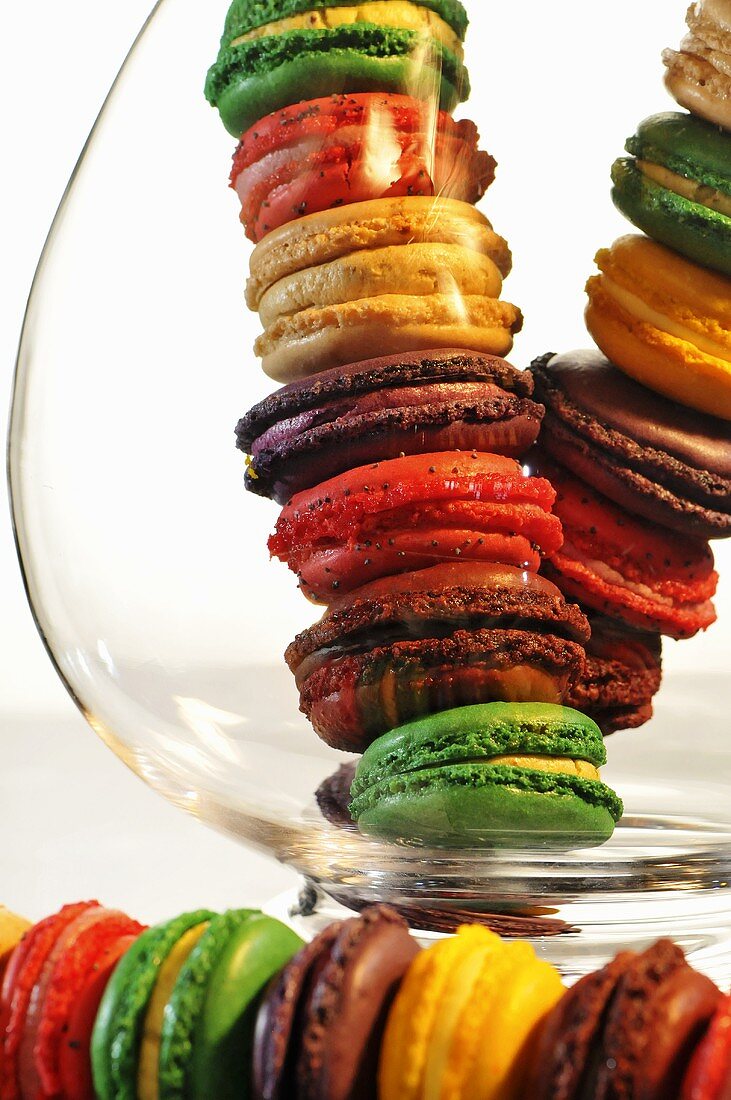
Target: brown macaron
[666, 463]
[415, 403]
[627, 1032]
[452, 635]
[621, 676]
[320, 1026]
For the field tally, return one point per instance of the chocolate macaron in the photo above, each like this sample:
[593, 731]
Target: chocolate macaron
[416, 403]
[626, 1032]
[621, 676]
[668, 464]
[449, 636]
[321, 1024]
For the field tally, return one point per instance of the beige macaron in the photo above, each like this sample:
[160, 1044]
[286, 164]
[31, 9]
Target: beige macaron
[314, 340]
[410, 269]
[699, 74]
[369, 226]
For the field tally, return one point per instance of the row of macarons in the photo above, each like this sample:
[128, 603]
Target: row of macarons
[94, 1006]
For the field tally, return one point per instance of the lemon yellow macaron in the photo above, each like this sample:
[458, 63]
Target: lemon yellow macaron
[464, 1018]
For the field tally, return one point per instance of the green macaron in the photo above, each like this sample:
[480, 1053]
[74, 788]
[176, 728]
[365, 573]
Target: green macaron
[254, 78]
[208, 1027]
[676, 187]
[117, 1034]
[444, 780]
[245, 16]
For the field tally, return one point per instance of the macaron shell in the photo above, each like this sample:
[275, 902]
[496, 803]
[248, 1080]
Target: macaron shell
[251, 80]
[469, 506]
[279, 1021]
[453, 806]
[60, 984]
[416, 269]
[75, 1054]
[348, 1006]
[380, 223]
[693, 230]
[118, 1028]
[416, 1019]
[319, 339]
[561, 1062]
[22, 973]
[709, 1074]
[488, 1056]
[474, 733]
[209, 1022]
[696, 84]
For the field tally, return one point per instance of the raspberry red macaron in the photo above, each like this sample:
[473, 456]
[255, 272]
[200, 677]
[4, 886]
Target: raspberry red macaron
[628, 1030]
[321, 1024]
[668, 464]
[441, 400]
[454, 635]
[621, 675]
[46, 978]
[709, 1074]
[342, 149]
[625, 567]
[410, 513]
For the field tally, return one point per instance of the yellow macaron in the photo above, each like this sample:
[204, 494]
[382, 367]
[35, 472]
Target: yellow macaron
[665, 321]
[12, 930]
[367, 227]
[379, 278]
[463, 1018]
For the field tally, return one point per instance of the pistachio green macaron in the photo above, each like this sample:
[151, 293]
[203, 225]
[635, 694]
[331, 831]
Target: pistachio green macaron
[676, 187]
[519, 775]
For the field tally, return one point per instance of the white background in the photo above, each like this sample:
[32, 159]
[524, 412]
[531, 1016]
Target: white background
[557, 89]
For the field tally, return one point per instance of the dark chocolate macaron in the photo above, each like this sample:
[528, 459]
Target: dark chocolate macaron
[453, 635]
[627, 1032]
[379, 409]
[333, 797]
[321, 1023]
[621, 676]
[666, 463]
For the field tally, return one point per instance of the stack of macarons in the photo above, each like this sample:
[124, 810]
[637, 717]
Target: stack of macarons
[356, 183]
[661, 307]
[96, 1007]
[636, 437]
[394, 445]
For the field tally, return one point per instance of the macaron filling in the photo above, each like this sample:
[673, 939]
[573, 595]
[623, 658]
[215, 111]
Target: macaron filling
[692, 190]
[246, 15]
[385, 13]
[641, 311]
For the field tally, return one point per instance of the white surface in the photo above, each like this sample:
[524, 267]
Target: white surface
[556, 90]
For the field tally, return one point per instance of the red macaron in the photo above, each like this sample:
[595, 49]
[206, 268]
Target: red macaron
[344, 149]
[47, 975]
[411, 513]
[709, 1074]
[625, 567]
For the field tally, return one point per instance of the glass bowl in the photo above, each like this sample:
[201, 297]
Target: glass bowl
[147, 570]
